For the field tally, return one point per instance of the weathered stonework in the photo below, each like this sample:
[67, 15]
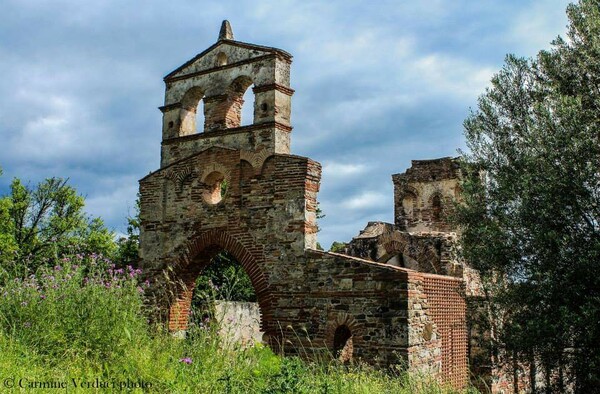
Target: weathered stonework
[238, 322]
[239, 189]
[424, 195]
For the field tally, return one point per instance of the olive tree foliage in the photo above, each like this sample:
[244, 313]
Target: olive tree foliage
[39, 225]
[530, 218]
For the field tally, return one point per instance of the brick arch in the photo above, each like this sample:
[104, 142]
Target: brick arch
[235, 101]
[200, 250]
[256, 159]
[191, 102]
[335, 321]
[393, 243]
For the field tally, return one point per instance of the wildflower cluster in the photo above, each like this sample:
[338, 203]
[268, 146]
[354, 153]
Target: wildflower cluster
[84, 300]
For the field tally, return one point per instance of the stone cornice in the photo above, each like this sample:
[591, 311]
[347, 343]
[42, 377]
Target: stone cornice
[274, 86]
[270, 56]
[235, 130]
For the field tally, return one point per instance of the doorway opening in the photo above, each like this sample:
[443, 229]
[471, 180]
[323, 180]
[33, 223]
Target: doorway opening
[224, 302]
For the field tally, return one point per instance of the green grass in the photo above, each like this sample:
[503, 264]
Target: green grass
[72, 325]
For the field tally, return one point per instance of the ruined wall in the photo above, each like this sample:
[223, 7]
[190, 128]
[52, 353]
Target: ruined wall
[423, 252]
[238, 189]
[424, 194]
[265, 217]
[239, 322]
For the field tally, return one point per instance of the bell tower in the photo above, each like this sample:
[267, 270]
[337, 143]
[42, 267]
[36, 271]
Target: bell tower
[224, 186]
[214, 82]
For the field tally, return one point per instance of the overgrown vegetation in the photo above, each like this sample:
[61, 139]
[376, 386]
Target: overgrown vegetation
[83, 322]
[225, 279]
[531, 213]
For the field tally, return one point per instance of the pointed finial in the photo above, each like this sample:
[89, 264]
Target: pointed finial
[226, 33]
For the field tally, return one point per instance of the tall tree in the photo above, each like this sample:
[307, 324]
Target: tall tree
[531, 213]
[39, 225]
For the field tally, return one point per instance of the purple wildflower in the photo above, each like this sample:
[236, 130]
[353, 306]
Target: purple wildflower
[186, 360]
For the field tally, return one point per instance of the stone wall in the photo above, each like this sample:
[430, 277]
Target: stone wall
[423, 252]
[239, 322]
[424, 195]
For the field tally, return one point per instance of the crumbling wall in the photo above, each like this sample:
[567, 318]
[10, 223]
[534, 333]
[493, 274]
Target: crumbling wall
[424, 195]
[423, 252]
[238, 322]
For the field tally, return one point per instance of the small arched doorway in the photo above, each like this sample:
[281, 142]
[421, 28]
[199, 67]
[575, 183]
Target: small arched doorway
[342, 344]
[192, 112]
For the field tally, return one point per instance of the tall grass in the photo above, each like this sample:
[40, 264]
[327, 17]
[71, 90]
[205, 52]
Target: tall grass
[83, 323]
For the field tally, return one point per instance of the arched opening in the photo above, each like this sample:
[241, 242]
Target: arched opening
[238, 94]
[225, 303]
[218, 251]
[396, 260]
[436, 208]
[221, 59]
[215, 188]
[247, 117]
[192, 112]
[401, 259]
[342, 344]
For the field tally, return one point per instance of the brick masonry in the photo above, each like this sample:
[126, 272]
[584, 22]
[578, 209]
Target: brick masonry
[238, 188]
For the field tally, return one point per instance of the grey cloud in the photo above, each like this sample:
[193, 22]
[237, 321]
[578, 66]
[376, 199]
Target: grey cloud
[377, 84]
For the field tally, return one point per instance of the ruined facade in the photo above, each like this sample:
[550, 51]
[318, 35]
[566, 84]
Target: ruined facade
[422, 237]
[222, 186]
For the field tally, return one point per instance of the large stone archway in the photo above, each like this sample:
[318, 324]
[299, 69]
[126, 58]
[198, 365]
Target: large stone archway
[198, 255]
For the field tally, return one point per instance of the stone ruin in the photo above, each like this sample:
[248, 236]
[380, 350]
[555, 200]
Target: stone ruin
[397, 296]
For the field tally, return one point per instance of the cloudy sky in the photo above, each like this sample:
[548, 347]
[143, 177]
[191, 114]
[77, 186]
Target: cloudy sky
[378, 83]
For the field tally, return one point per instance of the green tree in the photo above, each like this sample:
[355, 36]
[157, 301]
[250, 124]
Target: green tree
[128, 247]
[530, 218]
[338, 247]
[225, 279]
[42, 224]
